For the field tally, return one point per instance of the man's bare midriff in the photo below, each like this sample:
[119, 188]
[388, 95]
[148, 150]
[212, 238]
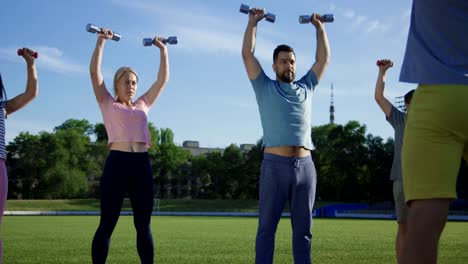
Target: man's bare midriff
[288, 151]
[129, 146]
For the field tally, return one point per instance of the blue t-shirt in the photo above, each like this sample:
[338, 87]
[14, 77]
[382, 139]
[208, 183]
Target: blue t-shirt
[437, 47]
[285, 110]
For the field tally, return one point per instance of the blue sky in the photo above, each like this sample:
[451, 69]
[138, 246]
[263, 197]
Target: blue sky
[209, 97]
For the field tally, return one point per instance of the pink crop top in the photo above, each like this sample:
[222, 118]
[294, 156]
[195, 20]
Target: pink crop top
[126, 123]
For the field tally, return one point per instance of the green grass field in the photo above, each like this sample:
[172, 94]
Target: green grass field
[200, 240]
[165, 205]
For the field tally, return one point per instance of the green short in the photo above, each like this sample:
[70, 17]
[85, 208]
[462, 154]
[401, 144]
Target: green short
[436, 138]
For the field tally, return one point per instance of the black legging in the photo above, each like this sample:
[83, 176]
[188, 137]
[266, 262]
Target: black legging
[125, 172]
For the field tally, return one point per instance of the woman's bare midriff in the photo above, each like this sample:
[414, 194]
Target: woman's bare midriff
[288, 151]
[129, 146]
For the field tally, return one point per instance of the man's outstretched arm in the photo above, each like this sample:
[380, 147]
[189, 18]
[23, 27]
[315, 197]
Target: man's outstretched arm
[248, 47]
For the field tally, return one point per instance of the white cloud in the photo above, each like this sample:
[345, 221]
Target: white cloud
[212, 41]
[174, 13]
[402, 34]
[50, 58]
[373, 25]
[359, 20]
[195, 38]
[348, 13]
[194, 16]
[195, 25]
[199, 34]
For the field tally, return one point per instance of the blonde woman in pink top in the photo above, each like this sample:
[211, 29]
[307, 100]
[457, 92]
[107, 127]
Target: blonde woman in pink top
[127, 169]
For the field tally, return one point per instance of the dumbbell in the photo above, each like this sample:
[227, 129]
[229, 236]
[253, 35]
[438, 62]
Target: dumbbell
[94, 29]
[34, 54]
[246, 10]
[170, 40]
[325, 18]
[383, 63]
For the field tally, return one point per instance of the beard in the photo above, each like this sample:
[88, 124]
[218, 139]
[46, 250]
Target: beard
[286, 76]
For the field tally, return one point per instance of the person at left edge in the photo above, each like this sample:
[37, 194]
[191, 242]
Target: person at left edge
[7, 107]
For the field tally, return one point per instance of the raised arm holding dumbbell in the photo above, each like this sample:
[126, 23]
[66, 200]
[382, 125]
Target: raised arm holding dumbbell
[322, 53]
[285, 108]
[127, 168]
[7, 107]
[163, 75]
[97, 79]
[248, 48]
[383, 102]
[397, 120]
[31, 86]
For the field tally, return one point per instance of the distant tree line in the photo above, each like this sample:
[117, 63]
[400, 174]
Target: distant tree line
[67, 163]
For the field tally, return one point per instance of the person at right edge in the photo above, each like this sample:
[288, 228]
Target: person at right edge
[287, 170]
[436, 134]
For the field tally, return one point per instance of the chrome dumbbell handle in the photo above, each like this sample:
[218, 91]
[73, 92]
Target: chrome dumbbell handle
[325, 18]
[94, 29]
[268, 16]
[170, 40]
